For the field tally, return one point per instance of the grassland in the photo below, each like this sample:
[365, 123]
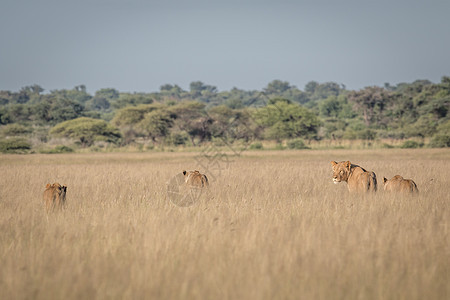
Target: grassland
[273, 226]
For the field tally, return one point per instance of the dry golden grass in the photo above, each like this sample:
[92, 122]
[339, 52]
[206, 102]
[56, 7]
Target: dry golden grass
[275, 228]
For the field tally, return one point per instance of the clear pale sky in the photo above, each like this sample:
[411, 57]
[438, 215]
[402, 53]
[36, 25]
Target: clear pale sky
[137, 45]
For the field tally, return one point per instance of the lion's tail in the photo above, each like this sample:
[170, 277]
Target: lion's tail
[205, 181]
[414, 188]
[372, 182]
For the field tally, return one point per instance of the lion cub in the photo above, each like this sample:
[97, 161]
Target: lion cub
[54, 196]
[399, 184]
[195, 179]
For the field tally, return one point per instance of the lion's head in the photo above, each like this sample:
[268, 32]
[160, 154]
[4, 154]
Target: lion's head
[341, 171]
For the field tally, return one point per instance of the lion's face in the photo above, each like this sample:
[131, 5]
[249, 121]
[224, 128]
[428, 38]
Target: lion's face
[341, 171]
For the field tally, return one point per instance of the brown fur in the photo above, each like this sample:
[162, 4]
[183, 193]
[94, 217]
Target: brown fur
[399, 184]
[54, 196]
[195, 179]
[358, 179]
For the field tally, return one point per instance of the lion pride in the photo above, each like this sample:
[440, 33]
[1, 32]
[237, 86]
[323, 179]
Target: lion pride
[358, 179]
[399, 184]
[195, 179]
[55, 196]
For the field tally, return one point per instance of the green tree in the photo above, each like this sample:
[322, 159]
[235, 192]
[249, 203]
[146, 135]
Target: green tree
[98, 103]
[277, 87]
[283, 119]
[127, 99]
[190, 117]
[230, 124]
[172, 91]
[132, 115]
[55, 109]
[87, 131]
[19, 112]
[311, 87]
[107, 93]
[370, 101]
[198, 89]
[156, 124]
[442, 138]
[330, 107]
[77, 94]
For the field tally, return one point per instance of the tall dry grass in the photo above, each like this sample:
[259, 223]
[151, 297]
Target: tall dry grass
[272, 227]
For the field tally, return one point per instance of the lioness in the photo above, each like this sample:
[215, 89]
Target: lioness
[399, 184]
[195, 179]
[54, 196]
[358, 179]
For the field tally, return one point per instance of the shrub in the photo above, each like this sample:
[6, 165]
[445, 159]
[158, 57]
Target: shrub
[297, 144]
[58, 149]
[15, 145]
[256, 146]
[15, 130]
[440, 140]
[178, 139]
[279, 147]
[366, 134]
[411, 144]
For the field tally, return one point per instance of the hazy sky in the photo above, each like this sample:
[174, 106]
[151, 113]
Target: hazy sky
[137, 45]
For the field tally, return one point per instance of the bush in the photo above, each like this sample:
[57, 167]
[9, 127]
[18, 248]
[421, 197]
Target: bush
[178, 139]
[256, 146]
[366, 134]
[411, 144]
[58, 149]
[279, 147]
[441, 140]
[297, 144]
[15, 130]
[15, 145]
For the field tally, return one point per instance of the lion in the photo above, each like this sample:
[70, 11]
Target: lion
[357, 178]
[55, 196]
[399, 184]
[195, 179]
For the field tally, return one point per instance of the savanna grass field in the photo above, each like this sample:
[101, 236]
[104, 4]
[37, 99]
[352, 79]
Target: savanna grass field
[271, 226]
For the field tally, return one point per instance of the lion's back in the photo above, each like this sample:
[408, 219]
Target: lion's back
[196, 179]
[362, 179]
[54, 195]
[399, 184]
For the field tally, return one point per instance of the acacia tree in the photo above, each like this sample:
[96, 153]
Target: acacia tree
[190, 117]
[129, 120]
[87, 131]
[156, 124]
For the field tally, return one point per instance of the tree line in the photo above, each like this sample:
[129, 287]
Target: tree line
[32, 117]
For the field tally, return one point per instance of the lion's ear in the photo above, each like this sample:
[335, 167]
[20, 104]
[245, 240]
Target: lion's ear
[348, 164]
[48, 185]
[184, 172]
[333, 163]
